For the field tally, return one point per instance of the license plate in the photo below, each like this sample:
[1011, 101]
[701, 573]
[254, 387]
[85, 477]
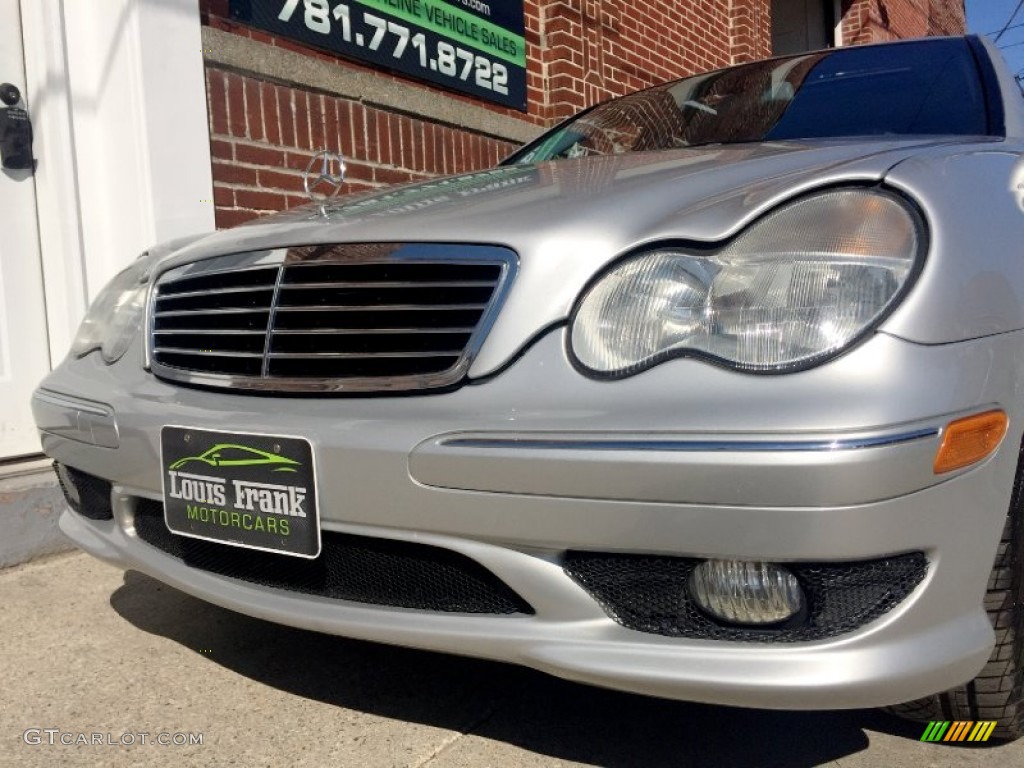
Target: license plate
[241, 489]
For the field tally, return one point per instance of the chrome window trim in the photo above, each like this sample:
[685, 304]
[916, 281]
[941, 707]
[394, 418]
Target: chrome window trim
[449, 253]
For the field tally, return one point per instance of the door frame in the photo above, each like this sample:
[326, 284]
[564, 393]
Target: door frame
[111, 117]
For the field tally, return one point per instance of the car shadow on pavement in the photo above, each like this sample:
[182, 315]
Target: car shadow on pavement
[519, 706]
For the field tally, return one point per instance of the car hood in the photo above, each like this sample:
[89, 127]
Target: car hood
[566, 219]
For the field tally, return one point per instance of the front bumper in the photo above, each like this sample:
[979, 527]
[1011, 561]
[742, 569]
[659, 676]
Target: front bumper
[467, 471]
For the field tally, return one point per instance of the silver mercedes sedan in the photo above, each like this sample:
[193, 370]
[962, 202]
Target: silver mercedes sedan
[713, 392]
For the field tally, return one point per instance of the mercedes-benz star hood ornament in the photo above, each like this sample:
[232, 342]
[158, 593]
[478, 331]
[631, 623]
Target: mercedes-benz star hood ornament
[323, 187]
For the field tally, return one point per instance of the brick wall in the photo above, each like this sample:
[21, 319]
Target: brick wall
[263, 135]
[579, 52]
[869, 21]
[596, 49]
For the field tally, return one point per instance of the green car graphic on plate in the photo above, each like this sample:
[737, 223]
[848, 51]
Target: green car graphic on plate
[234, 455]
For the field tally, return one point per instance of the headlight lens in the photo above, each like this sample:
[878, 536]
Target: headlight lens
[116, 315]
[797, 286]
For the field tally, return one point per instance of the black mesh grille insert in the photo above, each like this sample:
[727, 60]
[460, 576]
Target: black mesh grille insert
[361, 569]
[649, 594]
[86, 494]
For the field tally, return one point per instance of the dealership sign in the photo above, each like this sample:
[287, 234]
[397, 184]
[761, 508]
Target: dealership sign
[473, 46]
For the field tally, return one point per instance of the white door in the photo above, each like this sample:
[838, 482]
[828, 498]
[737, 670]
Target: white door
[24, 351]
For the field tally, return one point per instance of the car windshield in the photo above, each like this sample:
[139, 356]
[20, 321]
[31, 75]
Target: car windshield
[925, 87]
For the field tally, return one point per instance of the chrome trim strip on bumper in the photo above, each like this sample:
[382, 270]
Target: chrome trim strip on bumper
[692, 446]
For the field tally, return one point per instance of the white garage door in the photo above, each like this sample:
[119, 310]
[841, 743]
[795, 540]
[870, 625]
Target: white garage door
[24, 352]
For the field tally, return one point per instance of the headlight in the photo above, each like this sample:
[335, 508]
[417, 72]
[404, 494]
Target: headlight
[796, 287]
[116, 315]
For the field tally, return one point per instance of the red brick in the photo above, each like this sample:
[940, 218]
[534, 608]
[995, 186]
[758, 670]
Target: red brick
[394, 156]
[287, 112]
[259, 200]
[282, 180]
[222, 150]
[381, 138]
[216, 7]
[223, 197]
[359, 148]
[408, 159]
[347, 141]
[271, 119]
[437, 141]
[233, 174]
[232, 218]
[428, 147]
[317, 118]
[331, 132]
[356, 186]
[261, 37]
[390, 176]
[253, 110]
[302, 120]
[218, 102]
[268, 156]
[236, 105]
[356, 171]
[298, 161]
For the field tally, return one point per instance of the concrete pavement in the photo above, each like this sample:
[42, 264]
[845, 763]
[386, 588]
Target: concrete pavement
[89, 649]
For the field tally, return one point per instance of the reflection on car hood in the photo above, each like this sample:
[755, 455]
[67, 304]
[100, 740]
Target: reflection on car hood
[568, 218]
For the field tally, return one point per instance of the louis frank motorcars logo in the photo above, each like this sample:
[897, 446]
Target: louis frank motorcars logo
[240, 495]
[324, 186]
[241, 489]
[235, 455]
[245, 495]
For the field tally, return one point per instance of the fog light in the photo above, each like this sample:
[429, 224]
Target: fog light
[746, 593]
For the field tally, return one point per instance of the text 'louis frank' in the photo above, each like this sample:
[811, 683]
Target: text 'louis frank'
[246, 495]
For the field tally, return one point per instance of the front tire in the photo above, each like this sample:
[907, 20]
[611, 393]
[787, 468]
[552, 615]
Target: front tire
[997, 693]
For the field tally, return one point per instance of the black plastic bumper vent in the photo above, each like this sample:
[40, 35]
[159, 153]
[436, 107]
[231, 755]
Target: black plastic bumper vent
[89, 496]
[398, 574]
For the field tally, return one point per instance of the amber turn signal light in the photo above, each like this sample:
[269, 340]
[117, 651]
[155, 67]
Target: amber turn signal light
[969, 440]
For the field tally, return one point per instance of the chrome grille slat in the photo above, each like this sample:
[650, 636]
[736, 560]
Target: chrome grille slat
[215, 332]
[347, 355]
[209, 353]
[214, 292]
[236, 271]
[379, 317]
[371, 331]
[446, 284]
[382, 308]
[195, 312]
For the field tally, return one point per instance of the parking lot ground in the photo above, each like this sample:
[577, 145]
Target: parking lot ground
[89, 649]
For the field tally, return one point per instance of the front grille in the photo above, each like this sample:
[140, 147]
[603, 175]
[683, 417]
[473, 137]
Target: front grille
[649, 594]
[341, 318]
[398, 574]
